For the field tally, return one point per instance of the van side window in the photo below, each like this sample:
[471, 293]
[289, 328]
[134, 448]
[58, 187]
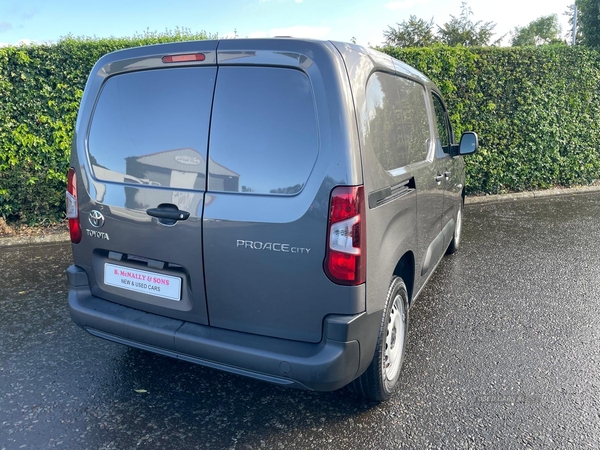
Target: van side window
[442, 129]
[415, 119]
[398, 125]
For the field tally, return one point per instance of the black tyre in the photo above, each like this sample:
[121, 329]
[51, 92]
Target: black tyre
[453, 247]
[380, 378]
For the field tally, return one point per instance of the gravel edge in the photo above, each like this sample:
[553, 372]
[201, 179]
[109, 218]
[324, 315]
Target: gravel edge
[530, 194]
[11, 241]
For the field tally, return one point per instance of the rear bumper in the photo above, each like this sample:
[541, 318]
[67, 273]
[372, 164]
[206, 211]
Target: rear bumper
[343, 354]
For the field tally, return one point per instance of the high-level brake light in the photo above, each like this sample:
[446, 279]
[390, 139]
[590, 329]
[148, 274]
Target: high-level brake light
[183, 58]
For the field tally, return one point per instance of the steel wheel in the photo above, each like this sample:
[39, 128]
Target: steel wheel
[394, 340]
[453, 247]
[458, 229]
[379, 380]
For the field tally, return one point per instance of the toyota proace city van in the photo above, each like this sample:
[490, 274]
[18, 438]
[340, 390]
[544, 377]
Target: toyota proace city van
[267, 207]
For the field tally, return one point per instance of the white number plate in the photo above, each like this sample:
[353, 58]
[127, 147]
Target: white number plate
[150, 283]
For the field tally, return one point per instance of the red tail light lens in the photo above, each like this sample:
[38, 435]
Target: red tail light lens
[346, 244]
[183, 58]
[73, 207]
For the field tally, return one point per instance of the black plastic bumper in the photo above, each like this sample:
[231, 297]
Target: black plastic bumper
[343, 354]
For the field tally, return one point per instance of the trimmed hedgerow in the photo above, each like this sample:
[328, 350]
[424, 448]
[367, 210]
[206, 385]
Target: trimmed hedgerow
[536, 110]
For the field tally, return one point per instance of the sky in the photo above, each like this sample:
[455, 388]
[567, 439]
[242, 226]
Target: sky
[24, 21]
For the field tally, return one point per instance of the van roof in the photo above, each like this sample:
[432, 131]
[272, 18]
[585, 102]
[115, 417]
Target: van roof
[380, 61]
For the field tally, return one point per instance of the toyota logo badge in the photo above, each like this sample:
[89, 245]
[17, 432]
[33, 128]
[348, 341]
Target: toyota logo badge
[96, 219]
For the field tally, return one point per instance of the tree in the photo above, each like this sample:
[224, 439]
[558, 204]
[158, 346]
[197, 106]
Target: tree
[570, 13]
[589, 18]
[412, 33]
[463, 31]
[543, 30]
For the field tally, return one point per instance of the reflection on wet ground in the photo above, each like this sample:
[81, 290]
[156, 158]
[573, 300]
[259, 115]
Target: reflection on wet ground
[502, 353]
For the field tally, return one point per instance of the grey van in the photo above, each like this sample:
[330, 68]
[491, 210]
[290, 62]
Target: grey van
[267, 207]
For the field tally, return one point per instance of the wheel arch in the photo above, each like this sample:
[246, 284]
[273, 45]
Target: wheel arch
[405, 269]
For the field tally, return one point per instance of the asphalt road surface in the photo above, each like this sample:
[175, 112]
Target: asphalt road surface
[503, 352]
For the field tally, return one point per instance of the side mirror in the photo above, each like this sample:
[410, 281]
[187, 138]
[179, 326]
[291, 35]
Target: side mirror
[469, 143]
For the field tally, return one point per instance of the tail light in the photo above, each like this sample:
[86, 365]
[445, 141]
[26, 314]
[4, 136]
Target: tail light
[73, 207]
[345, 259]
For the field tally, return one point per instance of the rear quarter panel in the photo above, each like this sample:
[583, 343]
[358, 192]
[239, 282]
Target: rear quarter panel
[391, 227]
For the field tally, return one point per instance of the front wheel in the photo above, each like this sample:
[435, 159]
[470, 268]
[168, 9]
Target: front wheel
[380, 378]
[453, 247]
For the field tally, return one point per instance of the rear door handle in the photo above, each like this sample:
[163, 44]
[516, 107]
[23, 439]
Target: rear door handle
[169, 212]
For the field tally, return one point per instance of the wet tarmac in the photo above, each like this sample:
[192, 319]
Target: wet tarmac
[503, 352]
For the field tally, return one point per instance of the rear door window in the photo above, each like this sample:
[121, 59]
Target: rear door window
[264, 137]
[151, 127]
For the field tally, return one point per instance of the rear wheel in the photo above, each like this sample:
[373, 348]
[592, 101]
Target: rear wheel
[380, 378]
[453, 247]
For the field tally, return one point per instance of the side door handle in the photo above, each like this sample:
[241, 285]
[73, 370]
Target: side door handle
[439, 179]
[447, 175]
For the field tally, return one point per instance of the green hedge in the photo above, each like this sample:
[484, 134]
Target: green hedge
[537, 112]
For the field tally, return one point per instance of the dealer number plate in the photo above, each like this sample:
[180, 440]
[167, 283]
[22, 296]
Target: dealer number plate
[150, 283]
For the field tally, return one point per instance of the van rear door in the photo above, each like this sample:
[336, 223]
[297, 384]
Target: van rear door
[142, 224]
[278, 146]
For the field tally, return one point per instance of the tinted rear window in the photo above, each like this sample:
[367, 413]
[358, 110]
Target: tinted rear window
[398, 120]
[151, 127]
[414, 119]
[264, 136]
[384, 113]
